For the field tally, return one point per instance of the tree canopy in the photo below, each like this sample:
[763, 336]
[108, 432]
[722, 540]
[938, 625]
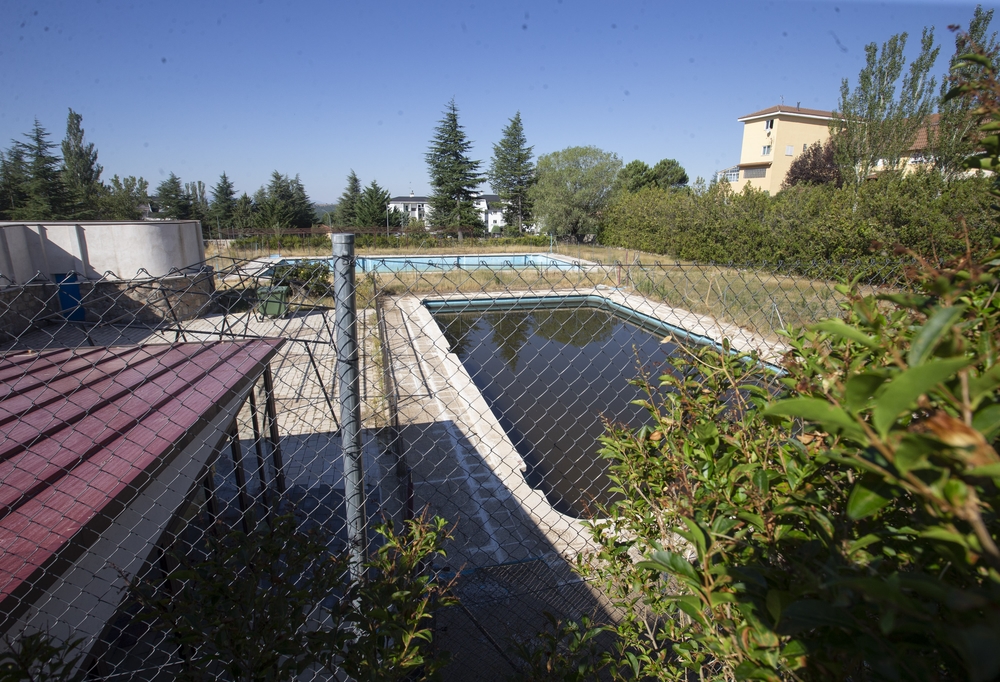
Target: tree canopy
[454, 176]
[573, 187]
[80, 171]
[636, 175]
[346, 212]
[953, 139]
[874, 127]
[512, 174]
[816, 166]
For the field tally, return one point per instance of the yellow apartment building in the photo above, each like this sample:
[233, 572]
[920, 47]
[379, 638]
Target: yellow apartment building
[772, 139]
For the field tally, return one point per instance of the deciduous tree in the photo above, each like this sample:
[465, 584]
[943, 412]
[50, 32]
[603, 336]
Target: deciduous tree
[573, 187]
[454, 176]
[816, 166]
[953, 139]
[512, 174]
[874, 128]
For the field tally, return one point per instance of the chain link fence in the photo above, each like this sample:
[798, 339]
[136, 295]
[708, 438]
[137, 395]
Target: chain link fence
[140, 415]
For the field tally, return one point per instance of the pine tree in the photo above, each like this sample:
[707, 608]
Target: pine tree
[45, 196]
[303, 215]
[372, 206]
[80, 171]
[512, 173]
[220, 212]
[173, 201]
[454, 176]
[13, 182]
[346, 213]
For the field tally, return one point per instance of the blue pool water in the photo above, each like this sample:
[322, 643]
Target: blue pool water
[426, 263]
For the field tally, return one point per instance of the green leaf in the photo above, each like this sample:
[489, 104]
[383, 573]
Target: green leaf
[697, 536]
[868, 496]
[902, 392]
[860, 388]
[862, 542]
[754, 520]
[842, 329]
[986, 471]
[944, 535]
[776, 602]
[666, 561]
[831, 417]
[913, 301]
[987, 422]
[984, 384]
[940, 322]
[761, 480]
[912, 453]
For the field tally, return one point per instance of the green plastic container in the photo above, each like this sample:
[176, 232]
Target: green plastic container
[272, 301]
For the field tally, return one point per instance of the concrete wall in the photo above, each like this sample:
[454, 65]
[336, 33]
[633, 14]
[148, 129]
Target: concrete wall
[92, 249]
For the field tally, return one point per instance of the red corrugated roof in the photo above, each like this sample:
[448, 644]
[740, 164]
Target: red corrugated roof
[82, 429]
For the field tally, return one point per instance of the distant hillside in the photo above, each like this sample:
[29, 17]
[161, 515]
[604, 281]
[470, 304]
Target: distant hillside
[321, 210]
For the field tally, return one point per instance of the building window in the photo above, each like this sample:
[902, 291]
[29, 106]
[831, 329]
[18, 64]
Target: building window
[750, 173]
[789, 150]
[766, 150]
[769, 124]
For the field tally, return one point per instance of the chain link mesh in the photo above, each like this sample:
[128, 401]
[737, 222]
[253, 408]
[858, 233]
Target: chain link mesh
[138, 415]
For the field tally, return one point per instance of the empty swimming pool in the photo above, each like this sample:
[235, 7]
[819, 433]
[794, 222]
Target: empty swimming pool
[552, 376]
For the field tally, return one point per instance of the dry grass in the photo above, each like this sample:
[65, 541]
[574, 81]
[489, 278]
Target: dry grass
[757, 300]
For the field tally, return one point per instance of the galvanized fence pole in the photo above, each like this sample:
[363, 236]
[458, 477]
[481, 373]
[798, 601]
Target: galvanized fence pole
[346, 324]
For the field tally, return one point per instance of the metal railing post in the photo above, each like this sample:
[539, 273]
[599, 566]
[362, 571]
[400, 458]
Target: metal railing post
[348, 377]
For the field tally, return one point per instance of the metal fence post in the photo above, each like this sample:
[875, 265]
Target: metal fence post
[346, 325]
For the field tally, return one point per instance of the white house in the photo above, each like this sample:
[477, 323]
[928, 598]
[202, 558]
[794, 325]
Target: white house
[489, 206]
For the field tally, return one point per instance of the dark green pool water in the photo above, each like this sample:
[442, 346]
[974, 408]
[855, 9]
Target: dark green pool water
[552, 377]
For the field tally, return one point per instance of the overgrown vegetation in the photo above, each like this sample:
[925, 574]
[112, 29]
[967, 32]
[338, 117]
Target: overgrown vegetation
[805, 223]
[274, 603]
[836, 522]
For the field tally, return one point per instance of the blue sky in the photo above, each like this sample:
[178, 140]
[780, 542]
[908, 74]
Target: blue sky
[319, 88]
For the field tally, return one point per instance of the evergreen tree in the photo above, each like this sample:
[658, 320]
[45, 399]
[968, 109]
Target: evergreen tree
[346, 213]
[512, 173]
[220, 212]
[303, 215]
[13, 182]
[633, 176]
[954, 138]
[123, 199]
[199, 205]
[45, 196]
[173, 201]
[454, 176]
[244, 212]
[372, 207]
[668, 174]
[874, 128]
[80, 171]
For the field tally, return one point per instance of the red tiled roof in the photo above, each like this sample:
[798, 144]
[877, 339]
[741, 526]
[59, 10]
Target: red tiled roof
[787, 109]
[83, 431]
